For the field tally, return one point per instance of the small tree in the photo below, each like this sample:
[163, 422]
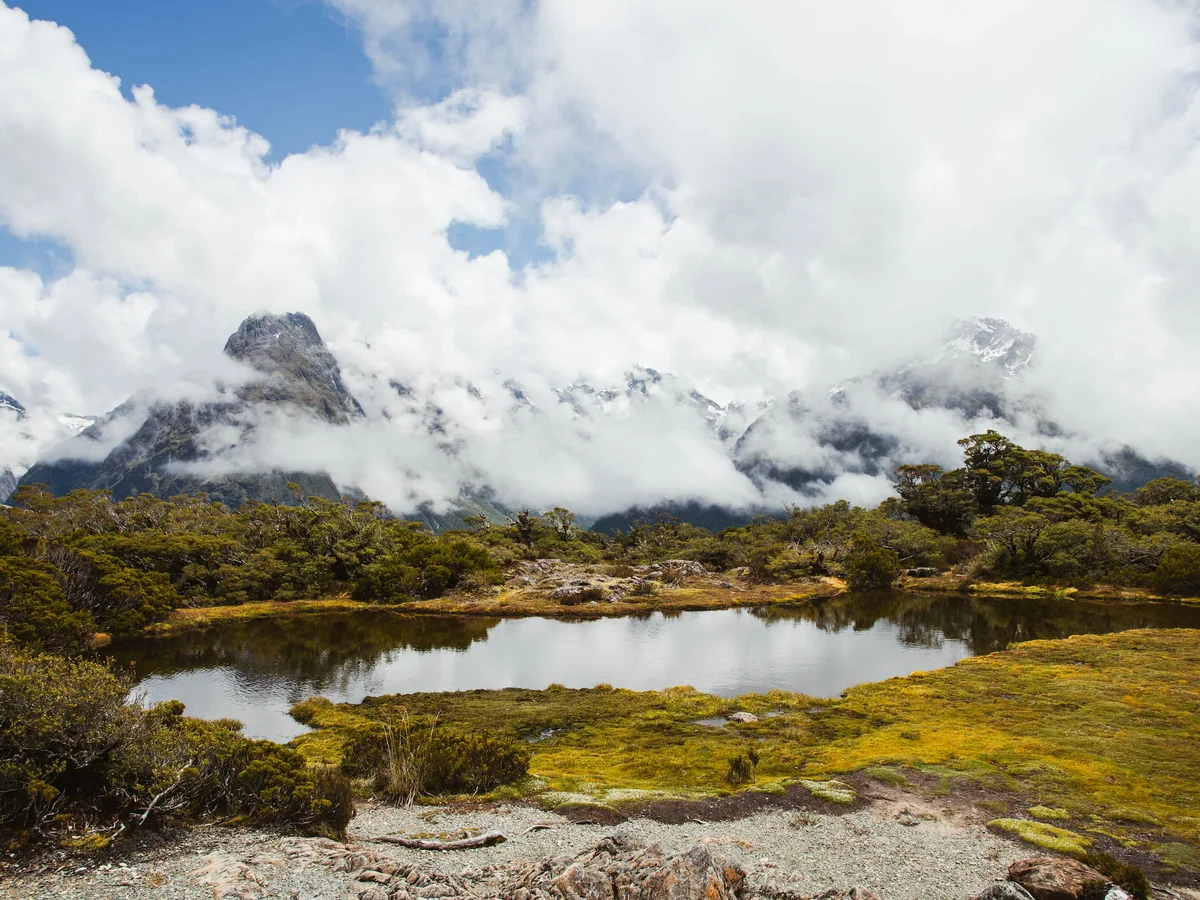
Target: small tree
[478, 524]
[526, 526]
[562, 521]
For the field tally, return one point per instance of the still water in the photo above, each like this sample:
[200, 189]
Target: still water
[255, 671]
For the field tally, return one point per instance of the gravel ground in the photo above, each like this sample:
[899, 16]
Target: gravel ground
[806, 852]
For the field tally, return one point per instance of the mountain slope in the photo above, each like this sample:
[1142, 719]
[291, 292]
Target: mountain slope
[295, 371]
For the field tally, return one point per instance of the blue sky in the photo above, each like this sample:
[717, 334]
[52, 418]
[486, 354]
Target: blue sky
[290, 70]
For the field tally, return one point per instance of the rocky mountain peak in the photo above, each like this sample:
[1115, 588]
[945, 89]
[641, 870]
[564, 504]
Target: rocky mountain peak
[266, 338]
[990, 341]
[7, 401]
[302, 371]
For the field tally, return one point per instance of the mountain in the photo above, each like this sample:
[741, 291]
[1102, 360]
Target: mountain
[295, 372]
[804, 442]
[25, 433]
[797, 448]
[809, 439]
[10, 404]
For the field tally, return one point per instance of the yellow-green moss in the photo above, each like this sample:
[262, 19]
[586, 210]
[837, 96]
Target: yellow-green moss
[86, 843]
[1040, 834]
[833, 791]
[1049, 813]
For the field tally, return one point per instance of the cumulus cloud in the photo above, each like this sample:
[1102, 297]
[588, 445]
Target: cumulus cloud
[759, 198]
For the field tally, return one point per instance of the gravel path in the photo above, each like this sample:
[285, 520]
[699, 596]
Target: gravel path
[805, 852]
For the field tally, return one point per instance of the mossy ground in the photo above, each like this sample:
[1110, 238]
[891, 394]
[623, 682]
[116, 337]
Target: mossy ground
[1106, 728]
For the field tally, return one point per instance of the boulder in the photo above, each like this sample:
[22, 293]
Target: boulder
[1006, 890]
[1052, 878]
[743, 717]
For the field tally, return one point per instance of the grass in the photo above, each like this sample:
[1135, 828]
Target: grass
[201, 617]
[1107, 727]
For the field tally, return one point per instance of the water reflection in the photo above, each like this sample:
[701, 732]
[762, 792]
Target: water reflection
[254, 671]
[982, 624]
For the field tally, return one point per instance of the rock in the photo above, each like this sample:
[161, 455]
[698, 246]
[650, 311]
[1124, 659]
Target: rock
[1007, 890]
[1051, 878]
[582, 883]
[906, 817]
[922, 572]
[229, 878]
[743, 717]
[579, 590]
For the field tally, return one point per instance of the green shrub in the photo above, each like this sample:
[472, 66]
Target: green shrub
[35, 613]
[75, 751]
[425, 569]
[1178, 572]
[121, 599]
[870, 567]
[1127, 876]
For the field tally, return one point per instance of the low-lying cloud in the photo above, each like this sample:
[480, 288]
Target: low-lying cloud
[759, 198]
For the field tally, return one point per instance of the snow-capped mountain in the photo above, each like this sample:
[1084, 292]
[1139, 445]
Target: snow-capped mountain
[644, 387]
[25, 434]
[10, 404]
[993, 342]
[804, 446]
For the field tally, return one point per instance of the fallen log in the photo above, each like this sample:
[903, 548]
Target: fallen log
[487, 839]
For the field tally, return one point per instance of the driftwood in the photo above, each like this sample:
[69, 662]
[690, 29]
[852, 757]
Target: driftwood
[480, 840]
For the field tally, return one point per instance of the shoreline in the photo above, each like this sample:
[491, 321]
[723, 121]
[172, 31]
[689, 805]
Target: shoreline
[509, 603]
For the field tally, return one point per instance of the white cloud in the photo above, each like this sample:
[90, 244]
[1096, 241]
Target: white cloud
[757, 197]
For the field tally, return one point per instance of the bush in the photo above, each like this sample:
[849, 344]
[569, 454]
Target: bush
[75, 752]
[122, 600]
[34, 611]
[408, 758]
[870, 567]
[1129, 877]
[424, 570]
[1178, 572]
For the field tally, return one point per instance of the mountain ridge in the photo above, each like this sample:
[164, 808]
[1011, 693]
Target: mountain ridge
[790, 448]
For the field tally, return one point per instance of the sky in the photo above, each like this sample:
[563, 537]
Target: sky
[757, 198]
